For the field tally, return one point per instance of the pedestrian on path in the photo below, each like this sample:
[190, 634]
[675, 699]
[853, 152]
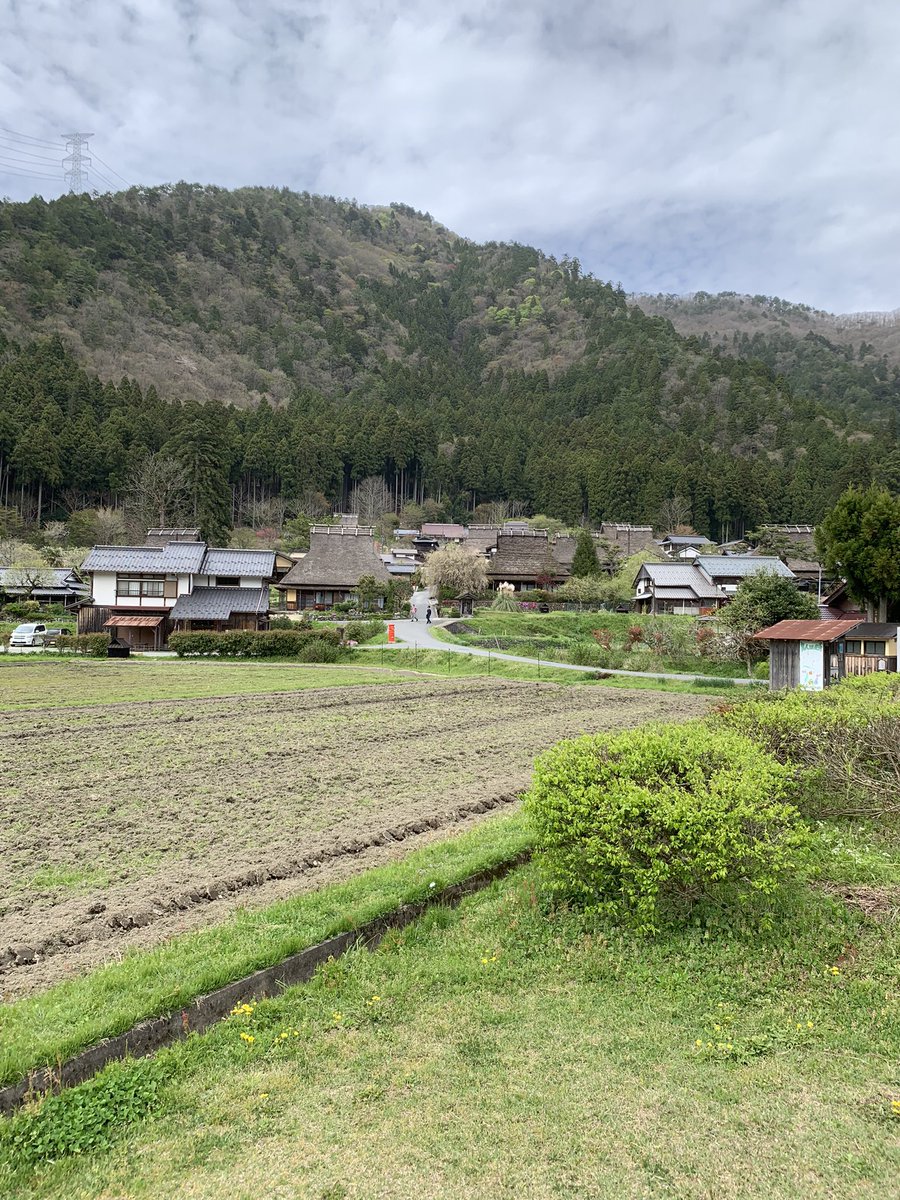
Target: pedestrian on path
[413, 613]
[428, 615]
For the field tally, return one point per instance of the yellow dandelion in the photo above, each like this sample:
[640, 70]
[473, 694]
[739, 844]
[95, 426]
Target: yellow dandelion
[809, 1025]
[248, 1038]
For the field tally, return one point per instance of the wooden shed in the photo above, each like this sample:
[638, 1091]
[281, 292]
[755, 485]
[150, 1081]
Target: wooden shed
[805, 654]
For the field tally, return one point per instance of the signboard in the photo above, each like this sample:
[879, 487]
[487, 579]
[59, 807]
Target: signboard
[811, 667]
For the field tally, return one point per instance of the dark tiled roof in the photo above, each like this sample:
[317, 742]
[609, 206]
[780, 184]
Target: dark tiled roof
[176, 557]
[740, 565]
[256, 564]
[680, 575]
[338, 555]
[217, 604]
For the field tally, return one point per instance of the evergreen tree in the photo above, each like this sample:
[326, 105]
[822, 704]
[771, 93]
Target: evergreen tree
[585, 561]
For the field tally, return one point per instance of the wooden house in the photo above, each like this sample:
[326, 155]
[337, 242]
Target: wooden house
[47, 585]
[675, 587]
[524, 559]
[684, 545]
[328, 574]
[141, 594]
[812, 654]
[727, 571]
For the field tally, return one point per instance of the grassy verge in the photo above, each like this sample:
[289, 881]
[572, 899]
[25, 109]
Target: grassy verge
[505, 1050]
[65, 1019]
[562, 635]
[451, 664]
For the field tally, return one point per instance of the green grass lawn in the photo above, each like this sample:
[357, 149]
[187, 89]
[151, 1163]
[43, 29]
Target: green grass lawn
[561, 635]
[510, 1050]
[54, 682]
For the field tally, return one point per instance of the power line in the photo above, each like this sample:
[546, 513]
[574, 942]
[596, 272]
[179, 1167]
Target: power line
[19, 152]
[16, 170]
[112, 170]
[26, 137]
[76, 162]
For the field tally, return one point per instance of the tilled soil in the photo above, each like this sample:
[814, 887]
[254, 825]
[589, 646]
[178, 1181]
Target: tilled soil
[125, 824]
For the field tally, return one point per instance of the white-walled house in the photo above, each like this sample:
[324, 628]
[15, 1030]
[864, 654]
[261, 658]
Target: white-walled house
[141, 594]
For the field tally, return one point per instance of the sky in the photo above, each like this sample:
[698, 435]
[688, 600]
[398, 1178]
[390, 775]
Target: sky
[671, 145]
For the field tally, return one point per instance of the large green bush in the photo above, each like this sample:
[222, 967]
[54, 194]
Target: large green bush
[642, 825]
[94, 645]
[310, 644]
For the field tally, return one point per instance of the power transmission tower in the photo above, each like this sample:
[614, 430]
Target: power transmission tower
[76, 163]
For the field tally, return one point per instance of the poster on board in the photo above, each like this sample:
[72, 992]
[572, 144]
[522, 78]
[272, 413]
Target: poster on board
[811, 667]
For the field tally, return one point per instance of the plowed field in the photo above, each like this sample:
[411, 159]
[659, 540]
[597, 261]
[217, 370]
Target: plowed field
[123, 824]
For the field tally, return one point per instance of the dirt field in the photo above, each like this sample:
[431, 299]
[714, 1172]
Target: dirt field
[123, 824]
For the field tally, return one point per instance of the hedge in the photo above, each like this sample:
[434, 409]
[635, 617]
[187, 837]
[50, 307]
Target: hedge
[311, 644]
[94, 645]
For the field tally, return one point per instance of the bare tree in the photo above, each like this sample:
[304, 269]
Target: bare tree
[158, 491]
[267, 513]
[313, 504]
[110, 527]
[370, 500]
[674, 512]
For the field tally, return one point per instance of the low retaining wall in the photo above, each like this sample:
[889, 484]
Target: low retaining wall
[149, 1036]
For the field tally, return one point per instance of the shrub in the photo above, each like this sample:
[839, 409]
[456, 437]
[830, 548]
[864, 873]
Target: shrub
[299, 643]
[362, 631]
[844, 742]
[21, 610]
[635, 634]
[588, 654]
[603, 637]
[94, 645]
[644, 824]
[761, 670]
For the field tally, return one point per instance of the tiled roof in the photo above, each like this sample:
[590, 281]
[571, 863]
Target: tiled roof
[733, 564]
[58, 578]
[680, 575]
[256, 564]
[177, 557]
[338, 555]
[217, 604]
[685, 539]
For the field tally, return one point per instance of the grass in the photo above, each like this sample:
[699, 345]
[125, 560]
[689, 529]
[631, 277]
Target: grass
[452, 664]
[559, 635]
[65, 1019]
[506, 1050]
[53, 682]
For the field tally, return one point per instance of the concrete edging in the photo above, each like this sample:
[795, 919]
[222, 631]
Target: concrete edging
[151, 1035]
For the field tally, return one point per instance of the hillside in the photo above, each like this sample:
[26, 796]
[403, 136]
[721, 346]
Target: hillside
[851, 359]
[347, 342]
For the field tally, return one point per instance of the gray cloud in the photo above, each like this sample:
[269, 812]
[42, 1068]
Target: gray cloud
[751, 145]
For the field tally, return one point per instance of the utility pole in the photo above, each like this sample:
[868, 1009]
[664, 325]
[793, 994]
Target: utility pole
[76, 163]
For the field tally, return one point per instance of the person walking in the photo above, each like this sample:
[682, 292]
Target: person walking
[413, 613]
[428, 615]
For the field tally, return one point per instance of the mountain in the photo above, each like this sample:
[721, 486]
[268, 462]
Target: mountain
[275, 344]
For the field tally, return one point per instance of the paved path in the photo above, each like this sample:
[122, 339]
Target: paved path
[417, 633]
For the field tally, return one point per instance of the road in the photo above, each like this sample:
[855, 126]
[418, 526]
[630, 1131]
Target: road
[418, 633]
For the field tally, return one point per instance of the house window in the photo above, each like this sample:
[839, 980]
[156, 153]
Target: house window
[875, 648]
[853, 647]
[228, 581]
[134, 586]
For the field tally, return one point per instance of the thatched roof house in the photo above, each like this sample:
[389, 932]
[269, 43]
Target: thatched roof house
[525, 560]
[338, 557]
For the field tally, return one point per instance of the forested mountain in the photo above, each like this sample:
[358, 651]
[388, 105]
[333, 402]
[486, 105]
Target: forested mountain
[272, 343]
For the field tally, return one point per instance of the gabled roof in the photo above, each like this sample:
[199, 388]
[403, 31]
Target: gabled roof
[806, 631]
[741, 565]
[255, 564]
[679, 575]
[438, 529]
[524, 555]
[58, 578]
[176, 557]
[685, 539]
[338, 556]
[217, 604]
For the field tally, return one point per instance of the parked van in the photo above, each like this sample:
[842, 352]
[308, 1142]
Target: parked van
[28, 635]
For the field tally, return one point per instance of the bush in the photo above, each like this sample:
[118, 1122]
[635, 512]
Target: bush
[644, 824]
[21, 610]
[94, 645]
[362, 631]
[761, 670]
[844, 742]
[304, 643]
[588, 654]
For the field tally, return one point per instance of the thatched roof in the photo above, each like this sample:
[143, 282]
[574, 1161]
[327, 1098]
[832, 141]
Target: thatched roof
[523, 556]
[338, 556]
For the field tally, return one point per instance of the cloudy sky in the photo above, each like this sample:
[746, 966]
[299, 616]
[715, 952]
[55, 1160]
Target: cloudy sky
[672, 145]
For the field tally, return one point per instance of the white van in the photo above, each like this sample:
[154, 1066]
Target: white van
[28, 635]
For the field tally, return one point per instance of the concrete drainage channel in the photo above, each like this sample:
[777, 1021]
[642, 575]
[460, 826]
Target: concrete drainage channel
[149, 1036]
